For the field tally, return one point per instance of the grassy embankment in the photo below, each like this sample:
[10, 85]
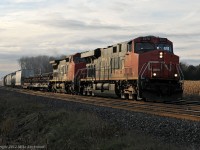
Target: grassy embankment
[26, 122]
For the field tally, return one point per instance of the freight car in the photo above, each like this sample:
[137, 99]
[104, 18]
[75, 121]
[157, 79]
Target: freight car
[9, 79]
[21, 75]
[38, 82]
[16, 79]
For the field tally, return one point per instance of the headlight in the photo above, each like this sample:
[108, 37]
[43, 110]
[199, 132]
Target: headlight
[154, 74]
[161, 55]
[175, 75]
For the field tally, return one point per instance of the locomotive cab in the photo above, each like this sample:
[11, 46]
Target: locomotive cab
[159, 71]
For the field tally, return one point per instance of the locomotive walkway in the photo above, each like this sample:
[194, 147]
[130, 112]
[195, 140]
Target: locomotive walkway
[188, 110]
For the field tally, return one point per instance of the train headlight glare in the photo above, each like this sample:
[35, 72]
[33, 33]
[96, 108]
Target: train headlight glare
[175, 75]
[161, 55]
[154, 74]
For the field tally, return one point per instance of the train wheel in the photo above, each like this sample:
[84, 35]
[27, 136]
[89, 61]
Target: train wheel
[132, 96]
[122, 96]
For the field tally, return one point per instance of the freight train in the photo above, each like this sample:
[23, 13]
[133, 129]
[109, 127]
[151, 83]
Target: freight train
[140, 69]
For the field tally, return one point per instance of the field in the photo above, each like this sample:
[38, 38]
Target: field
[191, 88]
[24, 120]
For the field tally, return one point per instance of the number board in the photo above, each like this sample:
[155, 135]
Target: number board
[163, 39]
[146, 39]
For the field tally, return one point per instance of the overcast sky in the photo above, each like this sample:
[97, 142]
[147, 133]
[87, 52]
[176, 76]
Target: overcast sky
[55, 27]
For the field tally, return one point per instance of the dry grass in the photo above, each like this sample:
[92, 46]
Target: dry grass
[192, 87]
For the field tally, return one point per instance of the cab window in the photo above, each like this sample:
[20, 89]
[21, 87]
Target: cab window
[144, 46]
[165, 47]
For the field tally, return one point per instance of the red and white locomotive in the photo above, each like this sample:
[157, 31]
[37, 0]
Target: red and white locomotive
[142, 68]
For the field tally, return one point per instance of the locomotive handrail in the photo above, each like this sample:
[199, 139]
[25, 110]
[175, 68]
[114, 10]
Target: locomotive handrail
[180, 72]
[148, 65]
[79, 73]
[142, 71]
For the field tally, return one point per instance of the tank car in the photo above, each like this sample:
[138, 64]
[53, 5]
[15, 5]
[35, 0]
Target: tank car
[64, 71]
[142, 68]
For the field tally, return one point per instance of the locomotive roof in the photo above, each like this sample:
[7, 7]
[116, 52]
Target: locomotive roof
[151, 37]
[65, 58]
[90, 52]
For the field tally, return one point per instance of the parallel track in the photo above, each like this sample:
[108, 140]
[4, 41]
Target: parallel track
[189, 110]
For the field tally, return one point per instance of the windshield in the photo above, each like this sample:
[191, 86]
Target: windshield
[147, 46]
[165, 47]
[144, 46]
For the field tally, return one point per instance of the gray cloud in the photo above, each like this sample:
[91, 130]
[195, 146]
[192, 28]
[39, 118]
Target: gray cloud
[191, 61]
[2, 29]
[8, 57]
[78, 25]
[90, 41]
[184, 35]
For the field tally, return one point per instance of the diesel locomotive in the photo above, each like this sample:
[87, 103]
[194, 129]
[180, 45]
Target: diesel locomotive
[140, 69]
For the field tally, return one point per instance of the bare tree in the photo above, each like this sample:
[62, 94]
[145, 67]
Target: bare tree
[190, 72]
[40, 64]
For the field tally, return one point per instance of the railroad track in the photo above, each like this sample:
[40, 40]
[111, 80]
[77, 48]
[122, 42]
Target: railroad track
[189, 110]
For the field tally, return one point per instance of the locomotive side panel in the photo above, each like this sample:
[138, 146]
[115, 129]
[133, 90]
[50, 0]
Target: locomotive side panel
[131, 66]
[60, 70]
[61, 75]
[116, 63]
[114, 73]
[65, 73]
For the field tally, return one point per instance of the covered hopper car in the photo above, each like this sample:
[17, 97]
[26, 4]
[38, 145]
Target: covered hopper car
[16, 79]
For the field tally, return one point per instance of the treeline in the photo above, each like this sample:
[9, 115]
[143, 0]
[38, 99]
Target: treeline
[190, 72]
[40, 64]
